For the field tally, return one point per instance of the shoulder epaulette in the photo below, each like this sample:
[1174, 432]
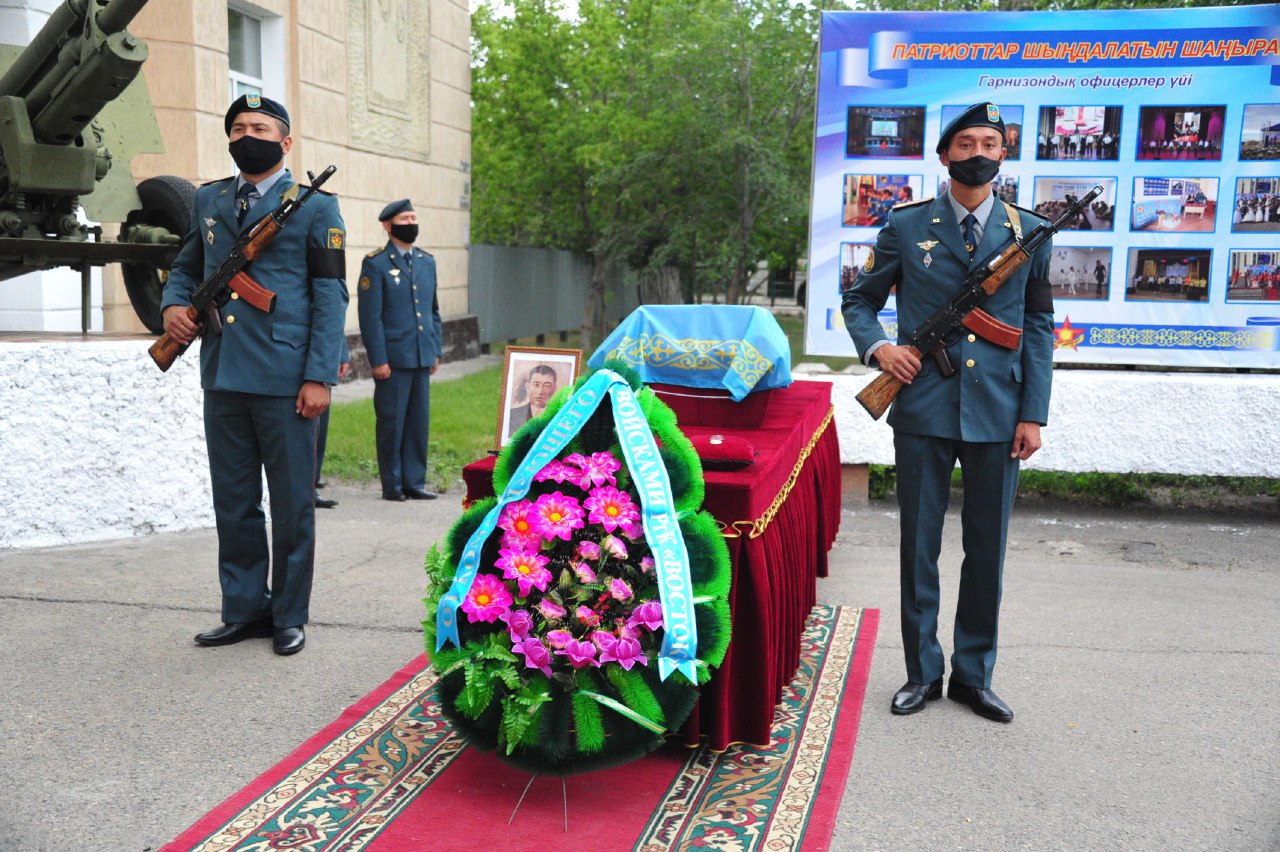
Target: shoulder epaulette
[1029, 210]
[219, 180]
[907, 204]
[376, 252]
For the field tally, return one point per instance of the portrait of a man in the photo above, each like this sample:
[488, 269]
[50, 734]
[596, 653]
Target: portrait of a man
[531, 376]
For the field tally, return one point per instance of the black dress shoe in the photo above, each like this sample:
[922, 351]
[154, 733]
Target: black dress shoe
[395, 497]
[230, 634]
[984, 702]
[911, 698]
[419, 494]
[325, 502]
[289, 640]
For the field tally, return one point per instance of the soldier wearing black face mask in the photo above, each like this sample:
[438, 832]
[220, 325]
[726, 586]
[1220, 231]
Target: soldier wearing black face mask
[986, 415]
[400, 325]
[266, 376]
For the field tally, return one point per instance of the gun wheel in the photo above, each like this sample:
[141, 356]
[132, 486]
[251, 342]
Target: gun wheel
[167, 202]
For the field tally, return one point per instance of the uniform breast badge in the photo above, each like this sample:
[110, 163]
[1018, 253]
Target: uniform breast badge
[209, 237]
[209, 221]
[927, 245]
[395, 275]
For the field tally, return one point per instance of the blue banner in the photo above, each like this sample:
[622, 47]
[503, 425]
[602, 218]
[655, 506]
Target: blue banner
[658, 513]
[1174, 112]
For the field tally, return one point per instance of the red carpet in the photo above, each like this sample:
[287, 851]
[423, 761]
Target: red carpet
[390, 775]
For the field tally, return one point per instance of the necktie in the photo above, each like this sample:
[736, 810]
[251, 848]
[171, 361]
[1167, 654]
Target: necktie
[970, 238]
[242, 202]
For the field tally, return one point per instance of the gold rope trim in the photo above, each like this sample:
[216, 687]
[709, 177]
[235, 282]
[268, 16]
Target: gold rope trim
[756, 528]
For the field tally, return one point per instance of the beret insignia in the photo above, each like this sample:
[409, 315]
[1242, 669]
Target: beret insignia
[993, 113]
[254, 100]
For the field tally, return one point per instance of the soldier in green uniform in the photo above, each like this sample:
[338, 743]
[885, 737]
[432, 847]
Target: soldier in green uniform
[266, 376]
[987, 416]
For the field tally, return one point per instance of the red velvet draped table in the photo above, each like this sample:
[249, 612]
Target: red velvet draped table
[780, 516]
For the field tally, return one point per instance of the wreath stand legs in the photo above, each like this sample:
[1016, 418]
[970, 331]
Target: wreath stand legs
[564, 791]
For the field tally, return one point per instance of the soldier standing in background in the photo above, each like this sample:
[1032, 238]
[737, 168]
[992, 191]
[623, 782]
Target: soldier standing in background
[400, 323]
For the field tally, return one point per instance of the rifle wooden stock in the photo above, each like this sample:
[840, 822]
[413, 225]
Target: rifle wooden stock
[883, 390]
[167, 349]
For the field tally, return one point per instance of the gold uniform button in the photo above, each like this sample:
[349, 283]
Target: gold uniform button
[419, 328]
[419, 314]
[969, 363]
[235, 295]
[972, 338]
[231, 319]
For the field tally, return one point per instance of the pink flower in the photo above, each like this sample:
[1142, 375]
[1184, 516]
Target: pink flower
[579, 654]
[588, 616]
[536, 655]
[619, 590]
[646, 564]
[613, 546]
[527, 569]
[596, 469]
[556, 471]
[557, 516]
[611, 508]
[624, 650]
[559, 638]
[551, 610]
[487, 600]
[589, 550]
[519, 522]
[633, 529]
[519, 624]
[647, 615]
[585, 574]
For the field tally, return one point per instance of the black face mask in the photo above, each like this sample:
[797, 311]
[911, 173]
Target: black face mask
[975, 171]
[405, 233]
[254, 156]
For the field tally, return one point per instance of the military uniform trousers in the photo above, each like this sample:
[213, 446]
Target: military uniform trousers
[990, 477]
[402, 405]
[247, 434]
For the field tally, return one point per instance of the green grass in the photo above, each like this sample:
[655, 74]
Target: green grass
[1112, 489]
[464, 417]
[793, 327]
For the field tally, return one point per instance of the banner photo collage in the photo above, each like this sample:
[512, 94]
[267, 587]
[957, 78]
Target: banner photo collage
[1175, 113]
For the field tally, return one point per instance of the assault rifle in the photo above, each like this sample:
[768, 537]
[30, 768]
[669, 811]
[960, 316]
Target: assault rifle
[944, 327]
[231, 277]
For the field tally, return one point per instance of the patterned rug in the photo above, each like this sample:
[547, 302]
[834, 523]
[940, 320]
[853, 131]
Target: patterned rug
[391, 775]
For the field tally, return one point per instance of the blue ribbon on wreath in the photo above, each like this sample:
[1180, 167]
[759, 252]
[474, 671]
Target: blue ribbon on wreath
[658, 515]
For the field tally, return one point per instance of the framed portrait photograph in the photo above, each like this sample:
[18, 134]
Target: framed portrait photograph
[531, 375]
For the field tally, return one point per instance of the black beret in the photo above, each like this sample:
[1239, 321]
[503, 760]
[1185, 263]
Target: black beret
[395, 208]
[254, 102]
[979, 115]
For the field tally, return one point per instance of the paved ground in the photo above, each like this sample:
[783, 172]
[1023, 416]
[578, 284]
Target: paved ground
[1141, 652]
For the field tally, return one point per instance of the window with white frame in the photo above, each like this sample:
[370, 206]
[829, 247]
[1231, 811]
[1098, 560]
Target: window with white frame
[255, 51]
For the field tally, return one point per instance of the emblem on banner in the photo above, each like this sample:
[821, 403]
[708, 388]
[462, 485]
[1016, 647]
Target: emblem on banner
[993, 113]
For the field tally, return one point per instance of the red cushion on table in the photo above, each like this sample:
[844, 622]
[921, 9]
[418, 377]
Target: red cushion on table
[724, 452]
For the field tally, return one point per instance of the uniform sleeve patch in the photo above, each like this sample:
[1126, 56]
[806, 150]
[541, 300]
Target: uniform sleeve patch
[364, 282]
[871, 261]
[336, 238]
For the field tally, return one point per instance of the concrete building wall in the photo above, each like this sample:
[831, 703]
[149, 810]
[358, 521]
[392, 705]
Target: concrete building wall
[381, 88]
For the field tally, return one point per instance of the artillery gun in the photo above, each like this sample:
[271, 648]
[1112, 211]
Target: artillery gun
[73, 113]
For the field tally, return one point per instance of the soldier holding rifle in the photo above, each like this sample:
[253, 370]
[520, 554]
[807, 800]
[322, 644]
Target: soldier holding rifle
[981, 399]
[266, 370]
